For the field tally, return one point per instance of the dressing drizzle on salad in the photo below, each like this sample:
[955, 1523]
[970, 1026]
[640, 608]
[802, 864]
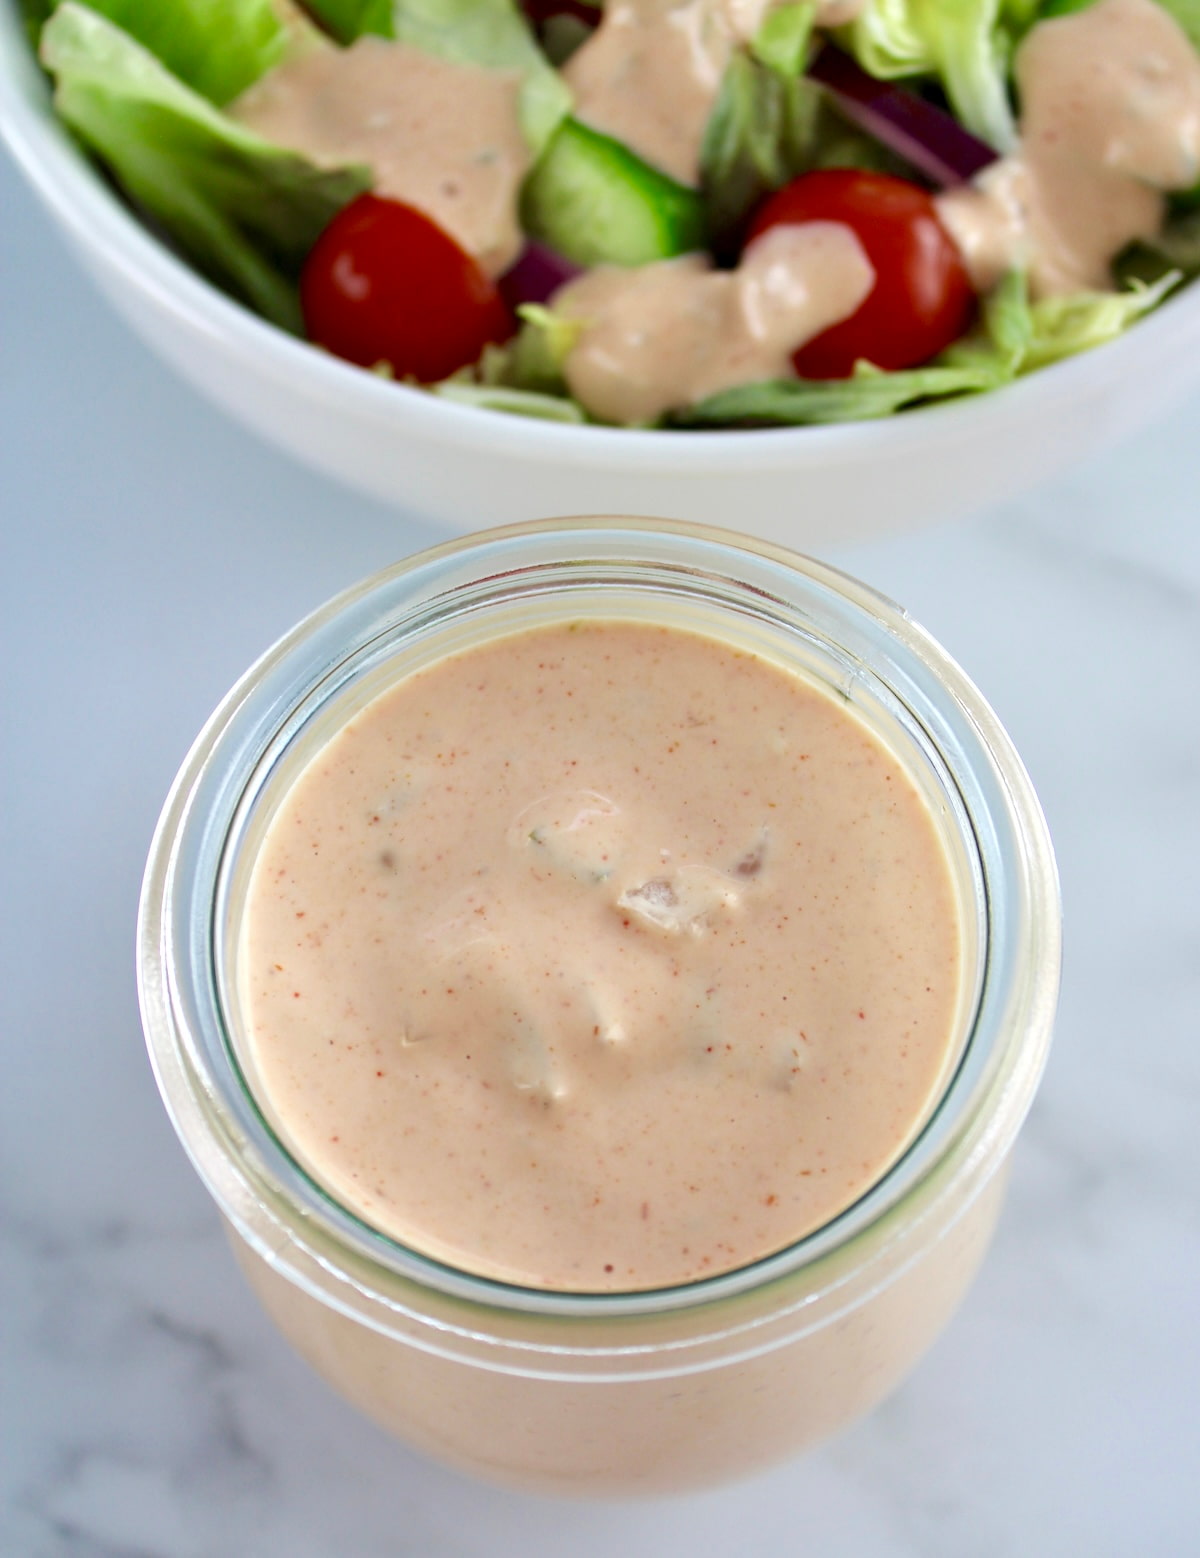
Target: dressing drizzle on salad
[1110, 117]
[438, 135]
[666, 335]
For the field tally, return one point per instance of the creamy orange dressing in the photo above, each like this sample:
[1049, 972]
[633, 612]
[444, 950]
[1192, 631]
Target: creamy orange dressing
[1110, 117]
[602, 956]
[650, 73]
[666, 335]
[440, 136]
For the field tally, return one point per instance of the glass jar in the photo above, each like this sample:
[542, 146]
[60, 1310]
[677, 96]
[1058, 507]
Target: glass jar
[617, 1393]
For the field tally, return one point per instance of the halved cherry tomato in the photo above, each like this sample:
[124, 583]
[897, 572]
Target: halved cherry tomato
[385, 284]
[921, 300]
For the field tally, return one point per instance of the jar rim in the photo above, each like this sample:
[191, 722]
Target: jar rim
[244, 1164]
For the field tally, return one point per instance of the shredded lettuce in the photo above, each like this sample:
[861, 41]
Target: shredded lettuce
[1067, 325]
[1018, 336]
[866, 396]
[523, 403]
[245, 212]
[964, 43]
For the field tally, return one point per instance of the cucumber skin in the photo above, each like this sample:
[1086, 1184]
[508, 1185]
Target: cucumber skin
[596, 203]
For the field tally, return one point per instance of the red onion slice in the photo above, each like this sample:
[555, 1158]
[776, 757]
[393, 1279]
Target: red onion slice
[540, 11]
[536, 276]
[930, 139]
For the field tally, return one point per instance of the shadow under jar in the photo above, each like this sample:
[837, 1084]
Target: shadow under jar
[650, 1389]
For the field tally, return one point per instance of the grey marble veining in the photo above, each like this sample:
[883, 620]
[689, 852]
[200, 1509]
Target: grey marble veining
[147, 1409]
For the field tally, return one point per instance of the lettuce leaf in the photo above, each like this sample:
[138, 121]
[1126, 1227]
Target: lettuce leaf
[868, 395]
[761, 133]
[539, 351]
[1067, 325]
[523, 376]
[781, 43]
[217, 47]
[771, 123]
[534, 359]
[1018, 336]
[964, 43]
[245, 212]
[764, 127]
[1002, 339]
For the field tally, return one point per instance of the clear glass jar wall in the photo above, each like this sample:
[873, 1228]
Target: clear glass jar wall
[615, 1393]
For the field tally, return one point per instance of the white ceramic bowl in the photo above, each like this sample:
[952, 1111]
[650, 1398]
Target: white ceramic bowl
[805, 487]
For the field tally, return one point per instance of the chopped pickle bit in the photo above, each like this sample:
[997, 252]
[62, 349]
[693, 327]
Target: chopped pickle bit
[754, 859]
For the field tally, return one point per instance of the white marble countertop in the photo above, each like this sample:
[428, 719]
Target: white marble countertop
[148, 1409]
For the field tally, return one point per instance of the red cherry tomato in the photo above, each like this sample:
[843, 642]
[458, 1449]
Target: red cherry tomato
[921, 300]
[385, 284]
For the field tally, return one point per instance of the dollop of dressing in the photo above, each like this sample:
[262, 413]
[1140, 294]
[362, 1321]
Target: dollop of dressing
[1110, 118]
[440, 136]
[601, 956]
[666, 335]
[650, 74]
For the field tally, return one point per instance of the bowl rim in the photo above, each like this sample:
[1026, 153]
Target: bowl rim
[99, 222]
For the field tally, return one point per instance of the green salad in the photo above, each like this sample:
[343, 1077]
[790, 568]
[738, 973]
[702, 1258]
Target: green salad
[823, 211]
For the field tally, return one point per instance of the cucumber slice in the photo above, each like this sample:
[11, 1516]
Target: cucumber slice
[596, 203]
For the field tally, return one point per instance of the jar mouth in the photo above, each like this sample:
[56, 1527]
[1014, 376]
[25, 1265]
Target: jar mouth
[756, 596]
